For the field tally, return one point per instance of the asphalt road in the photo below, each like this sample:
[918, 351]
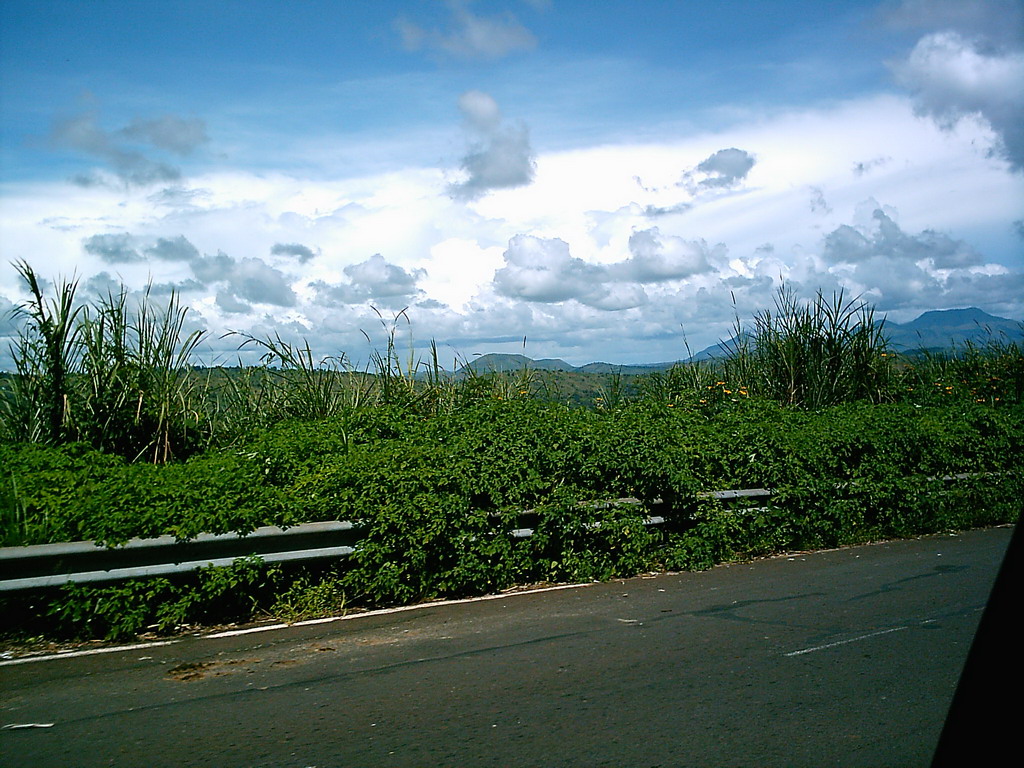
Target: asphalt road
[846, 658]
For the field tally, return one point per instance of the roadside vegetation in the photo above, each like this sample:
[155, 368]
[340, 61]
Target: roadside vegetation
[108, 432]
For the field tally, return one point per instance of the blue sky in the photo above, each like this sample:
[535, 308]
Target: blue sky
[602, 178]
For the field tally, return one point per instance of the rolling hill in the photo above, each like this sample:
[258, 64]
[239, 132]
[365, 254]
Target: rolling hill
[934, 330]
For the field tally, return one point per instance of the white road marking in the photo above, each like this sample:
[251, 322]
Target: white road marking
[89, 652]
[844, 642]
[274, 627]
[387, 611]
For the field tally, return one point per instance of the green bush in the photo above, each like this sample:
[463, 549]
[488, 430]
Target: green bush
[108, 433]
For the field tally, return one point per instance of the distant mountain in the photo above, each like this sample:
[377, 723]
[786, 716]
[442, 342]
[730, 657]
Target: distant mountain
[943, 328]
[605, 368]
[721, 349]
[500, 363]
[937, 329]
[933, 330]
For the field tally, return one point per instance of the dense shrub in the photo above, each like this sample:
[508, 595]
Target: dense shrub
[438, 495]
[438, 470]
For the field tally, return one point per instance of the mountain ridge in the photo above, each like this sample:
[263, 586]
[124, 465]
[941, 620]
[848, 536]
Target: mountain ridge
[932, 330]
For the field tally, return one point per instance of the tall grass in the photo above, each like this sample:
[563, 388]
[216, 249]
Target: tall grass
[294, 383]
[121, 378]
[104, 374]
[140, 397]
[814, 354]
[37, 405]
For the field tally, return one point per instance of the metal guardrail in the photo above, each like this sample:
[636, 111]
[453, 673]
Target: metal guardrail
[50, 565]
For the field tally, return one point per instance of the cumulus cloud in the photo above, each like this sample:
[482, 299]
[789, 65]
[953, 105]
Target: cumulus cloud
[654, 211]
[818, 202]
[891, 284]
[480, 110]
[120, 248]
[541, 269]
[247, 279]
[239, 280]
[468, 35]
[124, 248]
[374, 280]
[971, 64]
[865, 166]
[895, 269]
[120, 149]
[230, 304]
[103, 285]
[301, 252]
[725, 169]
[499, 156]
[657, 257]
[883, 238]
[173, 249]
[379, 279]
[998, 20]
[616, 297]
[8, 331]
[175, 134]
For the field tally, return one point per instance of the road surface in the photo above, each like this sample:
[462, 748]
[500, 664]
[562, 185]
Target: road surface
[846, 658]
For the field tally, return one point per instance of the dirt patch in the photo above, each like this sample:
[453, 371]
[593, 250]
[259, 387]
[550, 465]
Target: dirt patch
[195, 671]
[201, 669]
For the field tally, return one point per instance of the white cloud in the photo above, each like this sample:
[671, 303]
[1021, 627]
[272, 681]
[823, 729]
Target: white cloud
[480, 110]
[231, 304]
[468, 35]
[898, 270]
[113, 248]
[970, 63]
[572, 261]
[249, 279]
[657, 258]
[884, 238]
[952, 77]
[724, 169]
[999, 20]
[539, 269]
[301, 252]
[175, 134]
[126, 152]
[500, 155]
[374, 281]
